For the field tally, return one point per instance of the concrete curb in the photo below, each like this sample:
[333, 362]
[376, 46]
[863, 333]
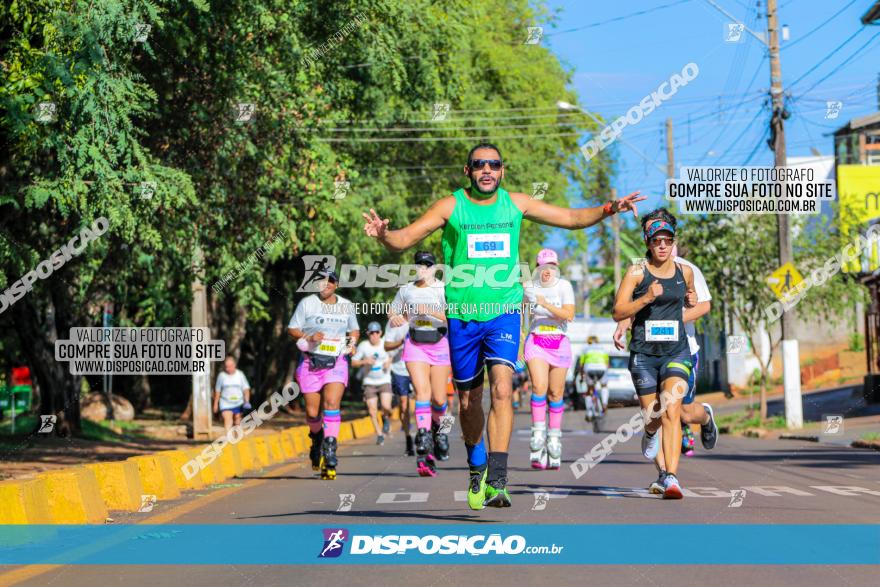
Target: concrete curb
[157, 476]
[84, 494]
[74, 497]
[120, 484]
[24, 502]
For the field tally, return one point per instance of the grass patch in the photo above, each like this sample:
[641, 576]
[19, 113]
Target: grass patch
[104, 431]
[870, 437]
[741, 420]
[24, 424]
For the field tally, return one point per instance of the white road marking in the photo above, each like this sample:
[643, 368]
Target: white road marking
[707, 492]
[846, 490]
[403, 498]
[775, 490]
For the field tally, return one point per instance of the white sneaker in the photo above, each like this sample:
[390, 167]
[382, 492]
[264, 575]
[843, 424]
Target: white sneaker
[671, 487]
[537, 447]
[651, 445]
[554, 449]
[656, 487]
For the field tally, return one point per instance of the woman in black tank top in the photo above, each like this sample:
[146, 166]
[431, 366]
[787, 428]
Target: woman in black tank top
[653, 295]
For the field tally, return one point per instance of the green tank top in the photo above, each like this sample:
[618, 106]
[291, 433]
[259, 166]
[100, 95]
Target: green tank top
[481, 249]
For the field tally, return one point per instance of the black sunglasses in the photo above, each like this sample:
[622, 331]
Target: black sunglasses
[477, 164]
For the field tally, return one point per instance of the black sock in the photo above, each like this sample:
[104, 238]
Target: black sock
[497, 474]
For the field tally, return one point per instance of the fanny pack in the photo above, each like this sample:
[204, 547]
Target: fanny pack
[318, 362]
[427, 336]
[548, 341]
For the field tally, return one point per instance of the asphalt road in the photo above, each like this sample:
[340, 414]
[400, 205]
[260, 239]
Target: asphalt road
[785, 482]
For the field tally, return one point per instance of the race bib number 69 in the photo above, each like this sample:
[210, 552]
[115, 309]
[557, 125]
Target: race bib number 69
[481, 246]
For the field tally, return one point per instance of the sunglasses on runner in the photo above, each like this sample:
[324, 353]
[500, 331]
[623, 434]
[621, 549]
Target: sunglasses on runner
[662, 240]
[478, 164]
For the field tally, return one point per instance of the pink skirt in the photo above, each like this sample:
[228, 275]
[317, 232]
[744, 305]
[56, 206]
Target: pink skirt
[310, 381]
[435, 353]
[540, 347]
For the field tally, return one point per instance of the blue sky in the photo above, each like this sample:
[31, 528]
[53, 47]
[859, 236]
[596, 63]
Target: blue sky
[616, 64]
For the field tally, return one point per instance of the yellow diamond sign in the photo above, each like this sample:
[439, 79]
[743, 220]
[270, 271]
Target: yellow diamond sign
[784, 280]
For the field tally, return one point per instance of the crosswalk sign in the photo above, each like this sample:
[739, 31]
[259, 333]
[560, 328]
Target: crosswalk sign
[784, 280]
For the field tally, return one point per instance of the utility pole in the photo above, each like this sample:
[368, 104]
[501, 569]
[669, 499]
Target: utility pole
[615, 226]
[201, 384]
[790, 353]
[670, 151]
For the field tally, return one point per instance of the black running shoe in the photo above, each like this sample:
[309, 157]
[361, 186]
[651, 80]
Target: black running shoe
[410, 448]
[709, 432]
[424, 443]
[441, 446]
[315, 450]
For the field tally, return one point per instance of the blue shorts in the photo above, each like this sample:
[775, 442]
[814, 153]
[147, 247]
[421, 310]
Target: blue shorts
[650, 371]
[235, 410]
[474, 345]
[692, 380]
[400, 384]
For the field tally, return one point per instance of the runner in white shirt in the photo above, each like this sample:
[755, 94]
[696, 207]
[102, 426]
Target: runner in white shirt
[401, 384]
[232, 393]
[691, 412]
[375, 364]
[325, 329]
[422, 305]
[548, 355]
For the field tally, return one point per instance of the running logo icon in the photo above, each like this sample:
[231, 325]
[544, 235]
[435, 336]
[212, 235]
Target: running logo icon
[147, 504]
[736, 498]
[47, 424]
[534, 35]
[734, 32]
[346, 500]
[334, 540]
[314, 265]
[833, 424]
[541, 500]
[245, 112]
[441, 111]
[446, 424]
[832, 109]
[735, 344]
[539, 190]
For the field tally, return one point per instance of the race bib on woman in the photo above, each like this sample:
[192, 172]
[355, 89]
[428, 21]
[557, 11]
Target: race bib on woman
[330, 347]
[661, 331]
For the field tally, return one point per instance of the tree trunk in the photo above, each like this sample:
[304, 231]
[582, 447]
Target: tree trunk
[141, 393]
[763, 412]
[59, 389]
[239, 330]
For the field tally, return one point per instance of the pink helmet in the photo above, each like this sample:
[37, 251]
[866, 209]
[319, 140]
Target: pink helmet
[547, 256]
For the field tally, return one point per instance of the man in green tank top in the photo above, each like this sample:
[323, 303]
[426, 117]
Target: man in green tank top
[481, 227]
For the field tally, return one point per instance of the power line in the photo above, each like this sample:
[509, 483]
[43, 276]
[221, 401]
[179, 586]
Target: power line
[618, 18]
[845, 62]
[830, 18]
[827, 57]
[441, 139]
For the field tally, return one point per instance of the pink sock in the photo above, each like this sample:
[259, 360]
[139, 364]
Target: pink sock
[556, 411]
[438, 412]
[539, 408]
[314, 425]
[332, 421]
[423, 415]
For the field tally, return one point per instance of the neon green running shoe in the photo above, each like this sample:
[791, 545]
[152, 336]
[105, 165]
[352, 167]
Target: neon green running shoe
[476, 494]
[497, 497]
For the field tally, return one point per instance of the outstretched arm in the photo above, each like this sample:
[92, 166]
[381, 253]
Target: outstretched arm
[404, 238]
[573, 218]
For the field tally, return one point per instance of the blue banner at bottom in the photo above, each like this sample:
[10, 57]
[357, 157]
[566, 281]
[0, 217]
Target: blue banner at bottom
[310, 544]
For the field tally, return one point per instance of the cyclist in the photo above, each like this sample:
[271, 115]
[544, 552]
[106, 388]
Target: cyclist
[325, 328]
[375, 361]
[426, 354]
[594, 367]
[660, 360]
[481, 226]
[548, 356]
[401, 384]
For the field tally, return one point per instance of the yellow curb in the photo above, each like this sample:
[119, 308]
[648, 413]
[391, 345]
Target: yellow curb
[258, 444]
[120, 484]
[246, 453]
[363, 428]
[24, 502]
[300, 436]
[206, 474]
[346, 432]
[287, 445]
[157, 476]
[74, 496]
[227, 463]
[275, 450]
[178, 459]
